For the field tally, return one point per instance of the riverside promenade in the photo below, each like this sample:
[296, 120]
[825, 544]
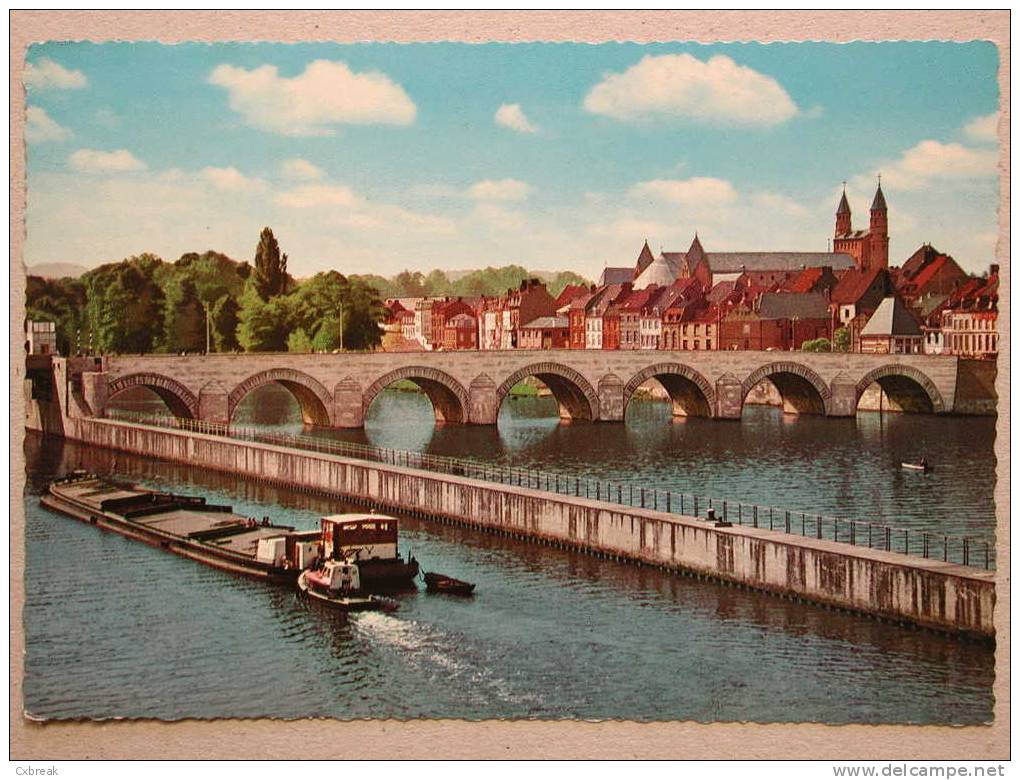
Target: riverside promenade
[937, 594]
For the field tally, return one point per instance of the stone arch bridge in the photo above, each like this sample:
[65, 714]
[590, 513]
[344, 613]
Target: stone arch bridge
[468, 386]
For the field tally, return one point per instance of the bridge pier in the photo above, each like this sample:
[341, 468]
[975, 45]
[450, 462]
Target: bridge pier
[214, 403]
[95, 389]
[483, 401]
[729, 397]
[348, 404]
[843, 402]
[611, 401]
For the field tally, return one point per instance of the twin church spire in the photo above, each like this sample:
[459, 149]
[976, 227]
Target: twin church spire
[869, 248]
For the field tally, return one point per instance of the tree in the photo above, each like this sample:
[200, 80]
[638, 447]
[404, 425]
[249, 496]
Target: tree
[186, 324]
[263, 326]
[841, 340]
[224, 315]
[298, 341]
[327, 337]
[816, 345]
[270, 273]
[124, 306]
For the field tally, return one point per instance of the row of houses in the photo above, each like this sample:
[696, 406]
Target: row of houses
[957, 314]
[700, 300]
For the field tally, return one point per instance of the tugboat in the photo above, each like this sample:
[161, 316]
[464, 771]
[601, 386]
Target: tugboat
[370, 541]
[337, 584]
[187, 526]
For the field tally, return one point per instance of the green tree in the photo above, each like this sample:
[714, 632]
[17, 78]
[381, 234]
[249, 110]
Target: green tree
[263, 326]
[270, 273]
[841, 340]
[124, 306]
[363, 312]
[816, 345]
[298, 341]
[327, 337]
[186, 323]
[224, 315]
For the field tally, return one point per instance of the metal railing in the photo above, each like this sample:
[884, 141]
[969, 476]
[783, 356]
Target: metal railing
[966, 550]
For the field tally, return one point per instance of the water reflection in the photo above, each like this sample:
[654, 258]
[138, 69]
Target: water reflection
[843, 467]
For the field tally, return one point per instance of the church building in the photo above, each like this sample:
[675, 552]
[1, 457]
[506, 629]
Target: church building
[869, 248]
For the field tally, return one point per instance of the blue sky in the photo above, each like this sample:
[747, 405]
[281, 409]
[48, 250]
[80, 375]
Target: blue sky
[380, 157]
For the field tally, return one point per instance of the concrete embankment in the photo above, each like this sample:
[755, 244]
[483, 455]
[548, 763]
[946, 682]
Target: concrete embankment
[928, 593]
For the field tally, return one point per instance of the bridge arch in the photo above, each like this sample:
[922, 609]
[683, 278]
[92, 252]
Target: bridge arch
[689, 391]
[313, 399]
[448, 396]
[906, 388]
[576, 397]
[179, 399]
[802, 390]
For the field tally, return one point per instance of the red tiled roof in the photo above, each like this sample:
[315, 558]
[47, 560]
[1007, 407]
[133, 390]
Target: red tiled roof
[804, 281]
[854, 284]
[570, 292]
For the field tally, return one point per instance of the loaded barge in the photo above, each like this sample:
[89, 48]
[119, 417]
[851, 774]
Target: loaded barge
[188, 526]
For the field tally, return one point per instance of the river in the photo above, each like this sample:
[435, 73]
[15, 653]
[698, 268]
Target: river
[118, 629]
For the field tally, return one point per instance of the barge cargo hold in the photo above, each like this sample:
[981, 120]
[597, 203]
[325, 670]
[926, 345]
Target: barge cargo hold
[187, 526]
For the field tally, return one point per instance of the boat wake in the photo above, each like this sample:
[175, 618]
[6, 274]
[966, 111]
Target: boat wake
[435, 654]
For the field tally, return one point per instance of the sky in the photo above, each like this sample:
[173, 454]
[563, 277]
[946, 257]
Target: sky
[375, 158]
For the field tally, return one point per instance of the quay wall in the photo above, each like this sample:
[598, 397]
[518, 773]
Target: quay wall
[927, 593]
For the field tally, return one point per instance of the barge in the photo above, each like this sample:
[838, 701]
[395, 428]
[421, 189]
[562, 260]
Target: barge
[188, 526]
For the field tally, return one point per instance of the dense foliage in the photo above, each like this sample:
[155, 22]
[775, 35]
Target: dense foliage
[145, 304]
[816, 345]
[488, 281]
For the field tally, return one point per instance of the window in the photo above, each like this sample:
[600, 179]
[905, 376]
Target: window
[708, 343]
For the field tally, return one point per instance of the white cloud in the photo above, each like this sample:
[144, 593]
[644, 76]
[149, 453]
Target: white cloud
[699, 191]
[685, 88]
[96, 161]
[512, 115]
[313, 196]
[231, 180]
[933, 160]
[983, 128]
[47, 74]
[296, 168]
[500, 217]
[39, 127]
[502, 189]
[777, 203]
[326, 93]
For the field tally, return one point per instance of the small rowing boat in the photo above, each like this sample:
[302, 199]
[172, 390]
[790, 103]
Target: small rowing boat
[337, 584]
[441, 583]
[927, 467]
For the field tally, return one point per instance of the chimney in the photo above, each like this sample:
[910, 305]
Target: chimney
[993, 269]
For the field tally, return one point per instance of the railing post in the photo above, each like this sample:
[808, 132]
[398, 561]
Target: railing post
[945, 548]
[787, 521]
[755, 512]
[966, 551]
[695, 505]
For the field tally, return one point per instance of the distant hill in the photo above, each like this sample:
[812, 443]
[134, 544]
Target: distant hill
[56, 270]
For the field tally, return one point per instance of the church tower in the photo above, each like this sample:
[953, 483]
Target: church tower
[843, 222]
[878, 256]
[645, 259]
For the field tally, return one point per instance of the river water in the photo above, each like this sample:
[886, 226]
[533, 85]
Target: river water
[115, 628]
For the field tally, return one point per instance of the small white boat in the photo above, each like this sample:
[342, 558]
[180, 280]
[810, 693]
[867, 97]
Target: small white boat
[337, 584]
[918, 466]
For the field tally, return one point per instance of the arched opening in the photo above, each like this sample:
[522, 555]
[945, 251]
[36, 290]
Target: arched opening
[898, 389]
[446, 395]
[313, 400]
[137, 396]
[791, 386]
[574, 397]
[688, 392]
